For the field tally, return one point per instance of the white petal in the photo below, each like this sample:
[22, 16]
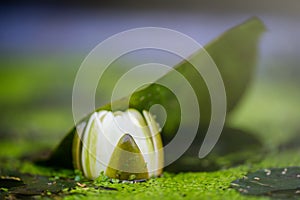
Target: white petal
[85, 147]
[141, 135]
[111, 136]
[157, 144]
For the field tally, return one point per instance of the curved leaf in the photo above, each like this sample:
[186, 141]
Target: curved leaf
[234, 53]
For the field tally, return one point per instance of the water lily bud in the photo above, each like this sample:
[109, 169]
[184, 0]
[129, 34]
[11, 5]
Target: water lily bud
[124, 145]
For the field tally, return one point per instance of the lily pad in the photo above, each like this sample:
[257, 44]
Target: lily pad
[10, 181]
[27, 185]
[278, 183]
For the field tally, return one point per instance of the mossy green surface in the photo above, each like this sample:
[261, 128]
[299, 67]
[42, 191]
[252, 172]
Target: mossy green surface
[197, 185]
[30, 124]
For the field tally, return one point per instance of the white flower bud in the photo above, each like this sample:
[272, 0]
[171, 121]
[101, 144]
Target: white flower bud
[124, 145]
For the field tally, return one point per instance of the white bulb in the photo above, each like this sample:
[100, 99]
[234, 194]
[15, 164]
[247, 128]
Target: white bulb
[123, 145]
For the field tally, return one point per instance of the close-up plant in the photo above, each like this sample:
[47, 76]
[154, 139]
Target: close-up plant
[115, 101]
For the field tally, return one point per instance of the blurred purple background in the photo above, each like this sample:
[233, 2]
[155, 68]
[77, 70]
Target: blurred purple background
[67, 28]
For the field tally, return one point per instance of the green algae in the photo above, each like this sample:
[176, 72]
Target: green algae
[189, 185]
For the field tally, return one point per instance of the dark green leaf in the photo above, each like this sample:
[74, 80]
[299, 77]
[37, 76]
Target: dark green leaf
[26, 185]
[233, 148]
[282, 183]
[10, 181]
[234, 53]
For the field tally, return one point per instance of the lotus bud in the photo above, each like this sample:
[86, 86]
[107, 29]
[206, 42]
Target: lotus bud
[125, 145]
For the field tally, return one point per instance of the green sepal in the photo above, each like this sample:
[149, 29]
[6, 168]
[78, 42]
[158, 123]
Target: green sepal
[128, 160]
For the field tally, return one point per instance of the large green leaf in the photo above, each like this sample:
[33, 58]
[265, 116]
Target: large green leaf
[234, 53]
